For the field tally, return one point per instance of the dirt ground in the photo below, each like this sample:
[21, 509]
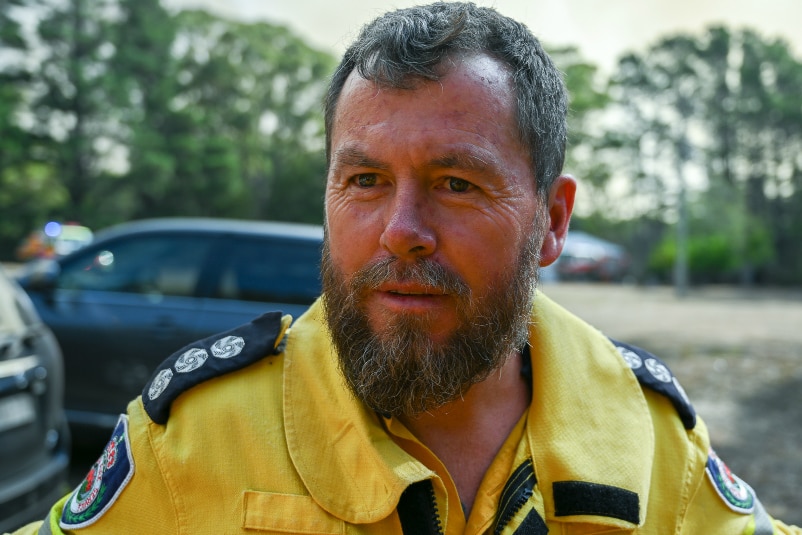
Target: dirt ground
[738, 354]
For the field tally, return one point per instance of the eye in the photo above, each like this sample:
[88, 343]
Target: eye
[458, 185]
[366, 180]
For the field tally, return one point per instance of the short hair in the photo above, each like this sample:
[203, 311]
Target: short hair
[406, 45]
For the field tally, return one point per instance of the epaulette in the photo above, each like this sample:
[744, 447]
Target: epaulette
[652, 373]
[208, 358]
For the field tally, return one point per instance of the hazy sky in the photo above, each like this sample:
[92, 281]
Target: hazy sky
[603, 29]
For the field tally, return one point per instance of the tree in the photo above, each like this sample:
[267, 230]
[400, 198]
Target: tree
[13, 79]
[762, 153]
[70, 105]
[143, 88]
[733, 96]
[588, 100]
[28, 189]
[257, 88]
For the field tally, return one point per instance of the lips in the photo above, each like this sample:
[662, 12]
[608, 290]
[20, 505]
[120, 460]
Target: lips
[405, 298]
[410, 289]
[424, 279]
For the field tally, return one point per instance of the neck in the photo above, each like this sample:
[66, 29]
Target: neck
[466, 434]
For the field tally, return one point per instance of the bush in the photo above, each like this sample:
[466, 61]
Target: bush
[711, 258]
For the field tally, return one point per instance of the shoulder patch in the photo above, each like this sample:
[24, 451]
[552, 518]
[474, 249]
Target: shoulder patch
[103, 484]
[653, 374]
[208, 358]
[733, 490]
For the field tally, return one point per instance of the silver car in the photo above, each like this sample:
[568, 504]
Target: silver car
[34, 438]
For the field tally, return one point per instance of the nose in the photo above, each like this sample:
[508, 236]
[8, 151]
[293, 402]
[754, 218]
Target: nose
[408, 232]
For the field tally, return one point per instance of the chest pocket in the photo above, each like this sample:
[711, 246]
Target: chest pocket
[287, 513]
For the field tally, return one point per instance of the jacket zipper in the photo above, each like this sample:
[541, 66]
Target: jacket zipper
[519, 487]
[417, 510]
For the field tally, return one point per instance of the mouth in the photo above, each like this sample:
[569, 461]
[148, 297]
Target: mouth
[413, 290]
[402, 292]
[407, 298]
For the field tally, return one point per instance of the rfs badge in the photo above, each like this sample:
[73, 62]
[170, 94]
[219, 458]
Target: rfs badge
[103, 484]
[733, 490]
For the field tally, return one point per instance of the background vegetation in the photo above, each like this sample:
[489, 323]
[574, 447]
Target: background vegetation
[112, 110]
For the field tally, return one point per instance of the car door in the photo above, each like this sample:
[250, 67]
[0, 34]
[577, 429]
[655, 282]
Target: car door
[258, 274]
[118, 310]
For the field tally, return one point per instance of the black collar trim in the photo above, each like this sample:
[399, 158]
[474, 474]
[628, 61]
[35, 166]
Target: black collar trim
[583, 498]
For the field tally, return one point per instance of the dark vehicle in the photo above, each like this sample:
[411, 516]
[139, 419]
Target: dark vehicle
[142, 290]
[588, 258]
[34, 438]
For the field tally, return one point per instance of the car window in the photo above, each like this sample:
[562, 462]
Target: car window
[158, 264]
[271, 271]
[10, 320]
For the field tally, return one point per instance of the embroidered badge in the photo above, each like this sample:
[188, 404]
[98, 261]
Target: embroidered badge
[228, 347]
[655, 375]
[630, 357]
[658, 370]
[735, 492]
[160, 383]
[103, 484]
[681, 391]
[211, 357]
[190, 360]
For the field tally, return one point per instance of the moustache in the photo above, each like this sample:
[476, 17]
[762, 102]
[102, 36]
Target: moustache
[423, 271]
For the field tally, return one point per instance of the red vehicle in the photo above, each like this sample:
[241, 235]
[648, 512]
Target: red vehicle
[586, 257]
[54, 240]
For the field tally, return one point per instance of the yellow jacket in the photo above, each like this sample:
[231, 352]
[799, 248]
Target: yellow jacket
[281, 446]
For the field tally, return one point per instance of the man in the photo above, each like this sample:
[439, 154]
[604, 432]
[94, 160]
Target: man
[431, 389]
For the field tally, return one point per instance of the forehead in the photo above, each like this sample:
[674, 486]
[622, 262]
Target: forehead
[474, 92]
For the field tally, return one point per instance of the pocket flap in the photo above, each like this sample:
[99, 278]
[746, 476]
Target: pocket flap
[288, 513]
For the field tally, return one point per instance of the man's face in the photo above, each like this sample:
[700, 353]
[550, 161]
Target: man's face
[433, 233]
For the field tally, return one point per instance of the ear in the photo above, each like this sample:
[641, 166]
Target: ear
[561, 205]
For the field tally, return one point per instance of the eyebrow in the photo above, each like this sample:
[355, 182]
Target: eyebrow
[460, 160]
[354, 157]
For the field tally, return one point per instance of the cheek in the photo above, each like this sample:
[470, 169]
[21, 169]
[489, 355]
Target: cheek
[352, 239]
[487, 254]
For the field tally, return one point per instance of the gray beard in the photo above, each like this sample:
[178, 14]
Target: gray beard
[400, 371]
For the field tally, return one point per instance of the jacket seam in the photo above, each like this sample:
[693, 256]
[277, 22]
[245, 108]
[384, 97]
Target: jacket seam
[169, 484]
[693, 483]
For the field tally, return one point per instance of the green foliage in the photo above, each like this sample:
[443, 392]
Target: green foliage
[69, 90]
[717, 256]
[258, 87]
[588, 99]
[134, 112]
[131, 111]
[734, 95]
[27, 190]
[711, 258]
[29, 195]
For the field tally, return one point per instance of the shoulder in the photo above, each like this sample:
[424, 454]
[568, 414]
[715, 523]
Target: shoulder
[654, 374]
[212, 357]
[720, 497]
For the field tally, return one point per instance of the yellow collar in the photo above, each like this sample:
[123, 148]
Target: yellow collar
[349, 464]
[588, 421]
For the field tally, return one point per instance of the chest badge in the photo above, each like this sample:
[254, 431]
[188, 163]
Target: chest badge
[103, 484]
[733, 490]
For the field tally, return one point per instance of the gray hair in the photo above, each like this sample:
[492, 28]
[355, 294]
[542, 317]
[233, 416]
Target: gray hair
[408, 45]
